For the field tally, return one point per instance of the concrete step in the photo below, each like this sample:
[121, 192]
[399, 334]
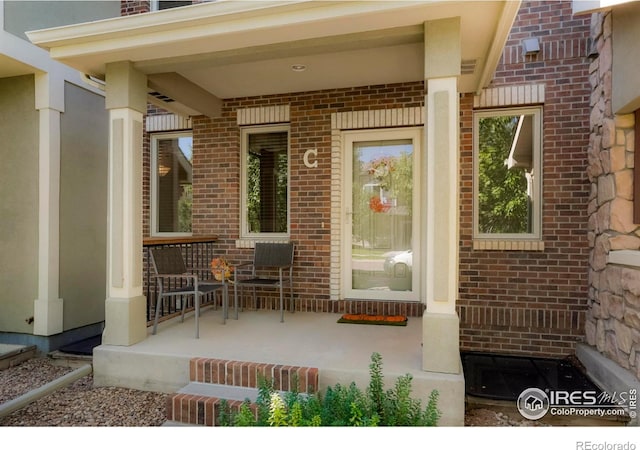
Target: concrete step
[221, 391]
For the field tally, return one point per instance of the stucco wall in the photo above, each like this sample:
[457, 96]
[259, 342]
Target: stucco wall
[613, 317]
[83, 206]
[21, 16]
[18, 203]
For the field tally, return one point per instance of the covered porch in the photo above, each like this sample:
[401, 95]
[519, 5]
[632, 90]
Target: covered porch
[212, 57]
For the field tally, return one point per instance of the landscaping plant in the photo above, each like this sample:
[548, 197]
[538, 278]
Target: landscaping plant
[339, 406]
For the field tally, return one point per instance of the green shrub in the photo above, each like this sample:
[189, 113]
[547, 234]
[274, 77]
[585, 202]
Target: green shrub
[339, 406]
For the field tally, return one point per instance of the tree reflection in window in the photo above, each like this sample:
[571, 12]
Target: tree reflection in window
[505, 174]
[267, 182]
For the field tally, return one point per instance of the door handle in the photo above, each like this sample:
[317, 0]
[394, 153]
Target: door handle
[348, 214]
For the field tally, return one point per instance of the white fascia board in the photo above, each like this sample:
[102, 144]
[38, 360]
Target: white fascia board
[247, 22]
[151, 22]
[26, 53]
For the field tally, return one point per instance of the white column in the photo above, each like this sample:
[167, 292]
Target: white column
[125, 307]
[48, 307]
[441, 328]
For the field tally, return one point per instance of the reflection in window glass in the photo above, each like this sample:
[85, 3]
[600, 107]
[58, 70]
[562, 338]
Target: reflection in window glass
[173, 184]
[382, 202]
[267, 172]
[506, 173]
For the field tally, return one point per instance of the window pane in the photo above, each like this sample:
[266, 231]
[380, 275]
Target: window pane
[382, 202]
[267, 182]
[174, 188]
[505, 174]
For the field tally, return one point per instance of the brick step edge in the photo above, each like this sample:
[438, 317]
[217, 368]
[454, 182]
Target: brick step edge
[248, 374]
[199, 403]
[193, 409]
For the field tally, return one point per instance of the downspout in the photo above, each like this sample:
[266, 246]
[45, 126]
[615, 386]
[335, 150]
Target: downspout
[36, 394]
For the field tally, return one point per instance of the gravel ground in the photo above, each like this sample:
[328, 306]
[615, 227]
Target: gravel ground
[82, 404]
[480, 417]
[78, 404]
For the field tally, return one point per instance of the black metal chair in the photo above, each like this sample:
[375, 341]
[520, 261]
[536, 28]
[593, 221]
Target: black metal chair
[168, 264]
[268, 257]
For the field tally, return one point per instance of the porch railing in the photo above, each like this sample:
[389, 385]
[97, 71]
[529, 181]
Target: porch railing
[197, 252]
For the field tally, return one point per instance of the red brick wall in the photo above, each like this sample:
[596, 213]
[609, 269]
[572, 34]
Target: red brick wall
[216, 183]
[130, 7]
[535, 302]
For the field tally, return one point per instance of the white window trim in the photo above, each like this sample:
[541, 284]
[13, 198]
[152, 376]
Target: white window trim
[499, 239]
[244, 225]
[153, 204]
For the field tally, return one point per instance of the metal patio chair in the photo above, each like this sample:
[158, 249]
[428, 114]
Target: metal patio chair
[168, 264]
[268, 257]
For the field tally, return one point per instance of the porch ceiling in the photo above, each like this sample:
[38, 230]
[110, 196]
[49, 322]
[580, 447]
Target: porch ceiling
[10, 67]
[234, 49]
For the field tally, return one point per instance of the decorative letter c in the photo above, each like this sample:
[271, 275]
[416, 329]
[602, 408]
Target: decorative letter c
[313, 152]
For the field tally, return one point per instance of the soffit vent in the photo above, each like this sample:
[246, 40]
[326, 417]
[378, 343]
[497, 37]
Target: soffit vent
[468, 66]
[162, 97]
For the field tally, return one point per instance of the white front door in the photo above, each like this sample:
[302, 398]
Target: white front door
[381, 233]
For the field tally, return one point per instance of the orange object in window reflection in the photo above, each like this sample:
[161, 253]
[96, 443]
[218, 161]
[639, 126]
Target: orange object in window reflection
[376, 205]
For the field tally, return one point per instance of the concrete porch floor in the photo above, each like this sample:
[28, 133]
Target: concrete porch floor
[341, 352]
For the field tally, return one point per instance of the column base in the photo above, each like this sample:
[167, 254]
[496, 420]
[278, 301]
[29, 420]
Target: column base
[48, 317]
[441, 343]
[125, 321]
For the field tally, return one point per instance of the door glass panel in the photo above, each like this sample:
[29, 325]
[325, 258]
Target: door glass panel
[382, 200]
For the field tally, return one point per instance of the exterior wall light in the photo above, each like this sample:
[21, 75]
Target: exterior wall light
[530, 46]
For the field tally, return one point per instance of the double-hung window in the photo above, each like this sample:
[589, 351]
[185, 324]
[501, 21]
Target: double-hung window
[171, 183]
[265, 182]
[507, 174]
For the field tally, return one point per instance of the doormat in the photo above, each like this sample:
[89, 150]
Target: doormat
[371, 319]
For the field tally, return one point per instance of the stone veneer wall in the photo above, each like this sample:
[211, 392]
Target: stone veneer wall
[613, 317]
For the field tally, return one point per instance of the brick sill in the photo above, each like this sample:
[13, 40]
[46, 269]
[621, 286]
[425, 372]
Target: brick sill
[508, 245]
